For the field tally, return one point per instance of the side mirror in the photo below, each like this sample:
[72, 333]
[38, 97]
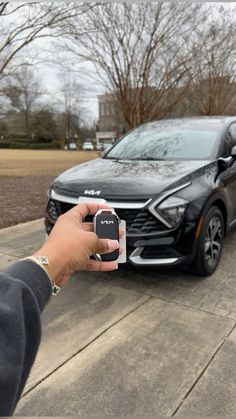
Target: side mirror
[224, 163]
[233, 153]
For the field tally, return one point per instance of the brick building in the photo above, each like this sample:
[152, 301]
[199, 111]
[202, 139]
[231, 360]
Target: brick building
[110, 123]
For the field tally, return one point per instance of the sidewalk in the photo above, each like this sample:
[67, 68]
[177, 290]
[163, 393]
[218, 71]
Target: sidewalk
[112, 345]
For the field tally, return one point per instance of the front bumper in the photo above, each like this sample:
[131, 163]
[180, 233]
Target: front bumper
[149, 243]
[136, 258]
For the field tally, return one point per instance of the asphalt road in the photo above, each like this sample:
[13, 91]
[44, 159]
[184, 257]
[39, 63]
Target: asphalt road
[133, 342]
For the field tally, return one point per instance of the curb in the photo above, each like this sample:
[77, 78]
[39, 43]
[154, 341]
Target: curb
[22, 226]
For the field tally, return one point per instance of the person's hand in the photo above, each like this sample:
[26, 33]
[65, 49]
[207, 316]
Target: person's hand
[72, 242]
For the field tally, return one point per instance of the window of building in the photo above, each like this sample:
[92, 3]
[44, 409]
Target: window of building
[113, 109]
[107, 108]
[102, 109]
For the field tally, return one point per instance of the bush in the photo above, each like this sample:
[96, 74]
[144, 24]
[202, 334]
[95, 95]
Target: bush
[41, 146]
[5, 145]
[57, 143]
[17, 145]
[33, 146]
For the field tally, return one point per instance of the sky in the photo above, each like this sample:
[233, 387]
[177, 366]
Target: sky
[50, 77]
[48, 71]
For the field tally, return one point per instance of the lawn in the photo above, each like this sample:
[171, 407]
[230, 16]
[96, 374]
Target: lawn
[25, 176]
[40, 162]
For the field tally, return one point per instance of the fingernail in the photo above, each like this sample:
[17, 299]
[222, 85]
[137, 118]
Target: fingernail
[112, 244]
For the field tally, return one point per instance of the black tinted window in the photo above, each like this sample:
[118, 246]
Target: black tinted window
[232, 130]
[230, 139]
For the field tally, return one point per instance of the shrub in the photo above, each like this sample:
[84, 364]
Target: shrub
[16, 144]
[33, 146]
[5, 145]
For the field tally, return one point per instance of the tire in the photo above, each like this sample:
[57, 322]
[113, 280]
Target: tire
[210, 243]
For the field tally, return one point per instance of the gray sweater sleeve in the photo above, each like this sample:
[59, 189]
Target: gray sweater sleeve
[24, 290]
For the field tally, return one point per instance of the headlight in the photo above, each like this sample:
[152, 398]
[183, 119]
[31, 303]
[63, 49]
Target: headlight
[172, 210]
[49, 191]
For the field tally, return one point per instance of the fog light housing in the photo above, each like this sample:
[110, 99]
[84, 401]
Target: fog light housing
[52, 211]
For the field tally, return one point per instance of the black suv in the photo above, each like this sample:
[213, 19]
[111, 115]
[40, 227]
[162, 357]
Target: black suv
[173, 181]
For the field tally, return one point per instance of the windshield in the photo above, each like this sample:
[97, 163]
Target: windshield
[171, 143]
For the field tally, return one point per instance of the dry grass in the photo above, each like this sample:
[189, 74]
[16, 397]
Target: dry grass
[25, 176]
[41, 162]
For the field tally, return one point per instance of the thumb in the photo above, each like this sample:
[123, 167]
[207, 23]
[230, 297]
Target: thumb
[106, 246]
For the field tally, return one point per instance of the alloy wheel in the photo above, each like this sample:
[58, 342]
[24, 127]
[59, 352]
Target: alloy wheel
[213, 241]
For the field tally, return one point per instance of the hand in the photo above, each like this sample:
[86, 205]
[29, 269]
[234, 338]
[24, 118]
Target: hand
[72, 242]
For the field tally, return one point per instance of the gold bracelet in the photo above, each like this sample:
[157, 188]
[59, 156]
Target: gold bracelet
[43, 261]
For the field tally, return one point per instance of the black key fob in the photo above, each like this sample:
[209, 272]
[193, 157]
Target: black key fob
[106, 226]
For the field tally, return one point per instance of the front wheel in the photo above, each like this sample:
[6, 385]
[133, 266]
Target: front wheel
[210, 243]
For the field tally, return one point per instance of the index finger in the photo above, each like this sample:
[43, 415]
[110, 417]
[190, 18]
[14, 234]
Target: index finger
[86, 208]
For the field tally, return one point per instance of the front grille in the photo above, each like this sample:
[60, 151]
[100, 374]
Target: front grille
[63, 207]
[158, 252]
[56, 208]
[138, 221]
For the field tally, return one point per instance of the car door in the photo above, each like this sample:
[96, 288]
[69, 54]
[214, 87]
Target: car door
[228, 177]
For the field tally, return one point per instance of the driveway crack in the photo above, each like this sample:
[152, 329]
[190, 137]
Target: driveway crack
[203, 371]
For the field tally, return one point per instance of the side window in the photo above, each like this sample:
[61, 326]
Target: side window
[232, 130]
[230, 139]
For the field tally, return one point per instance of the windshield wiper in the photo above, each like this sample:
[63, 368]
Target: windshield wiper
[135, 159]
[147, 159]
[111, 158]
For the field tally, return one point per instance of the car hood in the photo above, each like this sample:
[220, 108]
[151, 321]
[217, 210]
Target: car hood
[105, 178]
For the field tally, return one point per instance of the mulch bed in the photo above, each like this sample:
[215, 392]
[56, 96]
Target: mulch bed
[22, 198]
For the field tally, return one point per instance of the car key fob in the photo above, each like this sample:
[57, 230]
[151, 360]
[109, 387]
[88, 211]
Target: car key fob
[106, 226]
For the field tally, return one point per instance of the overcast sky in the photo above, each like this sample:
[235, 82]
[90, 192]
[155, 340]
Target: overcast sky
[49, 70]
[49, 78]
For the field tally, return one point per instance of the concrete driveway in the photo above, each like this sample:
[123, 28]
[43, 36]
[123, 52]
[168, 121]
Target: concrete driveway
[133, 342]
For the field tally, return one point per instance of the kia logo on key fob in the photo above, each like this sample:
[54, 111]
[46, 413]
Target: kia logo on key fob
[106, 226]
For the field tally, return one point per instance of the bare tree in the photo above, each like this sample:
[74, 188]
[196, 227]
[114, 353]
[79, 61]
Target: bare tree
[71, 94]
[213, 71]
[23, 91]
[141, 52]
[22, 23]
